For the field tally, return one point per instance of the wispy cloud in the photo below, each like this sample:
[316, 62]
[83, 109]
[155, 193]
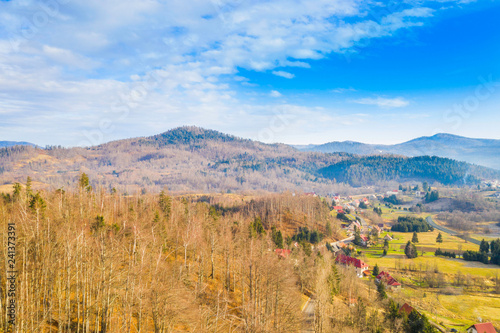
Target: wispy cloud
[275, 93]
[397, 102]
[343, 90]
[286, 75]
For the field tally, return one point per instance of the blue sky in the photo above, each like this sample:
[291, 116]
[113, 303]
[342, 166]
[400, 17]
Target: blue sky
[86, 72]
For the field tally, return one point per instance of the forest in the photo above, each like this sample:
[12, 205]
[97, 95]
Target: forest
[91, 261]
[371, 170]
[192, 159]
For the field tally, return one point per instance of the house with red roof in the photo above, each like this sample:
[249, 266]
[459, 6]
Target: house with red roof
[364, 239]
[482, 328]
[377, 229]
[406, 309]
[391, 282]
[283, 253]
[359, 265]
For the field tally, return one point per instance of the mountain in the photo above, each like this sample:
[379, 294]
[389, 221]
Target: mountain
[192, 159]
[5, 144]
[184, 159]
[485, 152]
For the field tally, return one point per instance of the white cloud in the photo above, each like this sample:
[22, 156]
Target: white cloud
[66, 74]
[397, 102]
[275, 93]
[343, 90]
[286, 75]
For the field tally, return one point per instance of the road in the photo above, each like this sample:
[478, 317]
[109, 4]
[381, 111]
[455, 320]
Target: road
[451, 232]
[362, 221]
[308, 312]
[345, 241]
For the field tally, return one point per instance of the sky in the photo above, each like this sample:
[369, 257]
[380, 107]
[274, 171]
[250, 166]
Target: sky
[80, 73]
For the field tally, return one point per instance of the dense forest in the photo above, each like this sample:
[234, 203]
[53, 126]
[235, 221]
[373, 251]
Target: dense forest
[359, 171]
[411, 224]
[90, 261]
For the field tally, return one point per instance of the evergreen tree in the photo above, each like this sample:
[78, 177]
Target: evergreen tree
[277, 237]
[165, 203]
[484, 246]
[17, 192]
[84, 182]
[328, 229]
[381, 290]
[357, 239]
[29, 190]
[414, 239]
[417, 323]
[334, 282]
[411, 250]
[439, 238]
[495, 245]
[376, 270]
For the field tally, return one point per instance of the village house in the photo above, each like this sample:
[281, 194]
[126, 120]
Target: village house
[283, 253]
[387, 237]
[336, 247]
[377, 230]
[359, 265]
[391, 282]
[406, 309]
[364, 240]
[482, 328]
[339, 209]
[354, 225]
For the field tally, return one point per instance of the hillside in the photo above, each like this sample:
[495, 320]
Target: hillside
[191, 159]
[373, 169]
[483, 152]
[183, 159]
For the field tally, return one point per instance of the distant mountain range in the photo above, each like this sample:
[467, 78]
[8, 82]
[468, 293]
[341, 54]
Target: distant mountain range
[192, 159]
[485, 152]
[5, 144]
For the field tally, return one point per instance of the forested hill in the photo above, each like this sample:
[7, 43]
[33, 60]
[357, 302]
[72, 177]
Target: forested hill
[192, 159]
[485, 152]
[185, 159]
[374, 169]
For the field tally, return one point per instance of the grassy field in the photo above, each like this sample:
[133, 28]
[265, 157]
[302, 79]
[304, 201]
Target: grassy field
[395, 257]
[428, 239]
[455, 311]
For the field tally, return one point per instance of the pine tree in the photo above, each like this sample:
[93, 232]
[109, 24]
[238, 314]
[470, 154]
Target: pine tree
[414, 239]
[328, 229]
[334, 282]
[84, 182]
[411, 250]
[381, 290]
[375, 270]
[484, 246]
[439, 238]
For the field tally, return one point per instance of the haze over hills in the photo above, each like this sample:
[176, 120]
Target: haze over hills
[485, 152]
[5, 144]
[195, 159]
